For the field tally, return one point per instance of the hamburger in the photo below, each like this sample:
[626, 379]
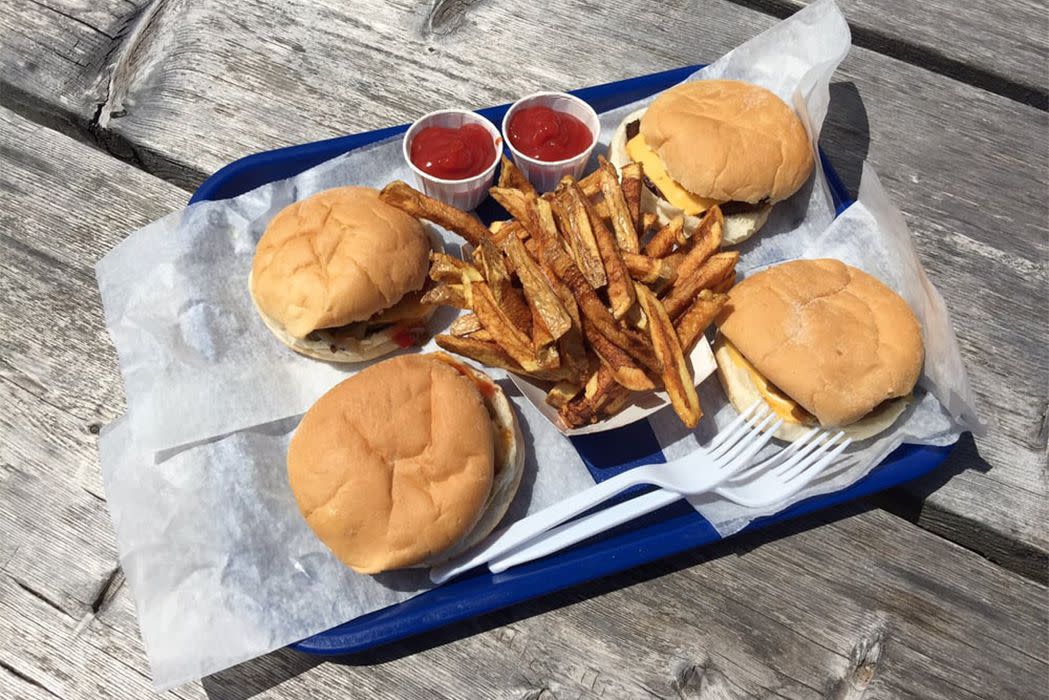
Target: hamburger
[823, 344]
[407, 463]
[339, 276]
[722, 142]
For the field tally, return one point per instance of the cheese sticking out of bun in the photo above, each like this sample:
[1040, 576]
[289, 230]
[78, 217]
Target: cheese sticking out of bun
[822, 343]
[338, 276]
[406, 463]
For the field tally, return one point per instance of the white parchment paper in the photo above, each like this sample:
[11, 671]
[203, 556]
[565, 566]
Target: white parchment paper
[222, 566]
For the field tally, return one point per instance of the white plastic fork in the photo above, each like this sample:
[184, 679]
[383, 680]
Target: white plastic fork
[773, 481]
[729, 454]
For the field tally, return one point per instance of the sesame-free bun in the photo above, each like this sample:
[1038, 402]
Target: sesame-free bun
[831, 337]
[335, 258]
[406, 463]
[724, 140]
[729, 140]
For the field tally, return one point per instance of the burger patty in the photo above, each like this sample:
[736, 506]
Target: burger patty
[727, 208]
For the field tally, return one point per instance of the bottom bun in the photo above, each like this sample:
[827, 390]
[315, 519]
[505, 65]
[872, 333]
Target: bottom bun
[743, 393]
[509, 460]
[738, 227]
[323, 344]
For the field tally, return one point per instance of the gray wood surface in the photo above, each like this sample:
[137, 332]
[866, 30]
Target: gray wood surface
[865, 606]
[1000, 47]
[193, 86]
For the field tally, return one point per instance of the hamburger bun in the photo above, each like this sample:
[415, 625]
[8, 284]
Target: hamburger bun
[406, 463]
[722, 141]
[339, 258]
[838, 347]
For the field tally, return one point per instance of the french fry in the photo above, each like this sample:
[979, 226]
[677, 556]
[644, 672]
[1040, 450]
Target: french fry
[711, 273]
[601, 209]
[624, 223]
[544, 215]
[593, 311]
[571, 345]
[493, 265]
[620, 288]
[662, 244]
[677, 378]
[490, 353]
[630, 177]
[575, 226]
[619, 363]
[544, 302]
[590, 185]
[649, 221]
[516, 343]
[515, 202]
[511, 177]
[562, 392]
[703, 242]
[451, 270]
[409, 200]
[602, 396]
[465, 325]
[725, 284]
[652, 271]
[448, 295]
[692, 324]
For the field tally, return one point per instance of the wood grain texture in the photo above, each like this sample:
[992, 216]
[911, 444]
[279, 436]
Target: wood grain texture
[957, 159]
[999, 47]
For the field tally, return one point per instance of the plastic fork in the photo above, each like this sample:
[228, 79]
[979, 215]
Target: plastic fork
[729, 454]
[770, 482]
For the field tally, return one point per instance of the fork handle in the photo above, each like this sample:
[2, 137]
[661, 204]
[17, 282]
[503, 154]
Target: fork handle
[528, 528]
[569, 534]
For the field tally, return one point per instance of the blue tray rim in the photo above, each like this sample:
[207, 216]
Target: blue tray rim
[672, 531]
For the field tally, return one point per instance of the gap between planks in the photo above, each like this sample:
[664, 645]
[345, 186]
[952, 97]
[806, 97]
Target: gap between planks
[926, 57]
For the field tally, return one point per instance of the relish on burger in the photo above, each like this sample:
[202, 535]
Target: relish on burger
[339, 276]
[407, 463]
[823, 344]
[723, 142]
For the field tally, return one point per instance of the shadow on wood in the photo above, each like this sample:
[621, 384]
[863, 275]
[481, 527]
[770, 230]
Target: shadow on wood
[734, 546]
[250, 678]
[846, 134]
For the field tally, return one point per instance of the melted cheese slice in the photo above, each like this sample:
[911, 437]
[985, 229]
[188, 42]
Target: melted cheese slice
[674, 193]
[781, 404]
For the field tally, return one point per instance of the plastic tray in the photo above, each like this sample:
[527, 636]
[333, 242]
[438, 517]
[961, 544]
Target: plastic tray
[669, 531]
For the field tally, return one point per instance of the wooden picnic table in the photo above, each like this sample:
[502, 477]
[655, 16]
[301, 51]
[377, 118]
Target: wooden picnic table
[113, 111]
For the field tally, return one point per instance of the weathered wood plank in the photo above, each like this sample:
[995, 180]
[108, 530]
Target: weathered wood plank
[1000, 47]
[53, 56]
[55, 220]
[966, 190]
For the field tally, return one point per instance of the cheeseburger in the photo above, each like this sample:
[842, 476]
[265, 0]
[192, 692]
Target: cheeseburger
[723, 142]
[339, 276]
[407, 463]
[823, 344]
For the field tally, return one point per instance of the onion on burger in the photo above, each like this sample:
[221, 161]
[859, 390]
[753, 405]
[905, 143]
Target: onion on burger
[723, 142]
[823, 344]
[407, 463]
[339, 276]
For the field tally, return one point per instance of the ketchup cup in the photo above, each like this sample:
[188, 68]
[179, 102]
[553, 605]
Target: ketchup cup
[466, 193]
[545, 175]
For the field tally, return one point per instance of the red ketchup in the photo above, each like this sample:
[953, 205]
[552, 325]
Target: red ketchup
[453, 154]
[546, 135]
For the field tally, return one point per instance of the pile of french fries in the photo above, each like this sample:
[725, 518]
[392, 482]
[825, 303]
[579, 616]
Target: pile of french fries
[580, 289]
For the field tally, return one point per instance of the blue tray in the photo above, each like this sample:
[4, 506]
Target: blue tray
[671, 530]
